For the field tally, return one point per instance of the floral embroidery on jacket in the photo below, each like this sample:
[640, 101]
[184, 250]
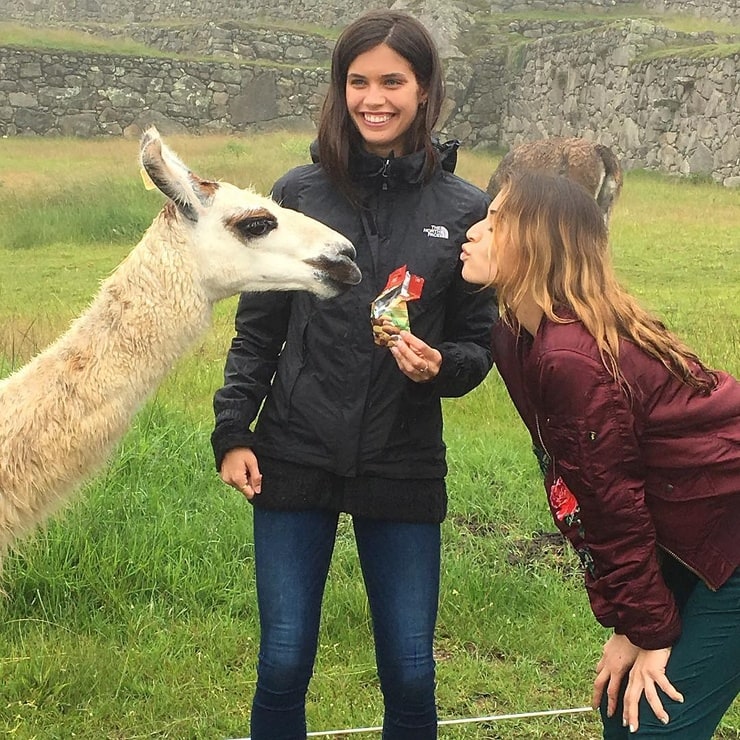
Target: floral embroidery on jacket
[563, 502]
[566, 509]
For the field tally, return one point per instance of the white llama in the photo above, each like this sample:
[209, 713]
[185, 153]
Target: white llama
[63, 413]
[595, 166]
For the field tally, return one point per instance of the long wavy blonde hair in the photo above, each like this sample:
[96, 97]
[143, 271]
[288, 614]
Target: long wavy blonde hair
[557, 247]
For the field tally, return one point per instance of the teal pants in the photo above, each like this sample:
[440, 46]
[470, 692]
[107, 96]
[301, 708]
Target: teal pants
[704, 664]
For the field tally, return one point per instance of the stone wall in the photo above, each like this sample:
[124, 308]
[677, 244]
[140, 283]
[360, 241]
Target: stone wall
[325, 13]
[333, 13]
[718, 10]
[47, 93]
[672, 114]
[446, 19]
[227, 39]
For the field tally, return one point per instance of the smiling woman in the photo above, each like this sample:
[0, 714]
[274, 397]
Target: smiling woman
[347, 425]
[383, 104]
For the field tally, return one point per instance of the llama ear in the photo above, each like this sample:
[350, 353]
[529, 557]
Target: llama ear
[170, 175]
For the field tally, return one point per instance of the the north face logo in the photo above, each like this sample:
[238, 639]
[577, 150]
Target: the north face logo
[439, 232]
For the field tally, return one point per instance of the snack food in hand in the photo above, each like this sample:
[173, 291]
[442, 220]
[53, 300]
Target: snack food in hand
[389, 314]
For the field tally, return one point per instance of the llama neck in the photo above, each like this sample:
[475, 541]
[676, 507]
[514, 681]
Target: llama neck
[67, 408]
[145, 316]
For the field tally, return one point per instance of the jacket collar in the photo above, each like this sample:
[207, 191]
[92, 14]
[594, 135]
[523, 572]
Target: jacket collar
[393, 173]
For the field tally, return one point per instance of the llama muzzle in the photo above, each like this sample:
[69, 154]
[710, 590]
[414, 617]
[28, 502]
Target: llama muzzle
[337, 267]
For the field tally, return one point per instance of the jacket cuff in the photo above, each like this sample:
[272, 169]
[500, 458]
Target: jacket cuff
[652, 641]
[450, 369]
[227, 437]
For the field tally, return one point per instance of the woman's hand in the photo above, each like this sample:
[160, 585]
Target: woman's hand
[415, 358]
[648, 672]
[240, 469]
[618, 656]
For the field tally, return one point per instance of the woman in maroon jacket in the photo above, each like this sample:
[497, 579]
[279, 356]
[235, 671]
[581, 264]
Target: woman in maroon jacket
[640, 444]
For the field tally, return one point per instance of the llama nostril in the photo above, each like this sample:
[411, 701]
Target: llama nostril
[351, 274]
[347, 250]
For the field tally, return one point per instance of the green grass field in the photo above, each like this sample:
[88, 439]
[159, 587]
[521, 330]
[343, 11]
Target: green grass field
[132, 615]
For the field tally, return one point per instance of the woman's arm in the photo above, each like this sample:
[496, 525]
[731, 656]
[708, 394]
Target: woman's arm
[589, 426]
[261, 326]
[466, 346]
[591, 423]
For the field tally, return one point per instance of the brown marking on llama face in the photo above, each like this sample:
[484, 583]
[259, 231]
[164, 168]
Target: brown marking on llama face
[207, 187]
[339, 268]
[592, 165]
[251, 224]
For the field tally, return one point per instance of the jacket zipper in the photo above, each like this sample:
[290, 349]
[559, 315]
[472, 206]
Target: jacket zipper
[686, 565]
[542, 442]
[384, 173]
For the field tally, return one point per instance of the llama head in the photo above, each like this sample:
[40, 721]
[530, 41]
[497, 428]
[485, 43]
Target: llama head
[592, 165]
[243, 241]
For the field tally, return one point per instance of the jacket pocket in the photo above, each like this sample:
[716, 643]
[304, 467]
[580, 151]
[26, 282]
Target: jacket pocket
[577, 451]
[290, 365]
[683, 485]
[561, 439]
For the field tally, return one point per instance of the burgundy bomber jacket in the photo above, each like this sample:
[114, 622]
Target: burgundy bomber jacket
[629, 473]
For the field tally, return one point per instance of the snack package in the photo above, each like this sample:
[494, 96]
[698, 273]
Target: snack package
[389, 314]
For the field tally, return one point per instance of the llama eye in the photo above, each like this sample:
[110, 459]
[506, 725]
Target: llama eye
[256, 226]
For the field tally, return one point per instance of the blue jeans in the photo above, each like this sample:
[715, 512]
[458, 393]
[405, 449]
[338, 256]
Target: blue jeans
[704, 666]
[400, 565]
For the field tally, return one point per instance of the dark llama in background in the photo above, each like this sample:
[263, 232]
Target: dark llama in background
[592, 165]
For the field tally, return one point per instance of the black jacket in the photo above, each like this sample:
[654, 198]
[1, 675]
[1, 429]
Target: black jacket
[333, 400]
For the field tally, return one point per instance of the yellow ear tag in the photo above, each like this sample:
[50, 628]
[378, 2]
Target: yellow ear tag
[148, 184]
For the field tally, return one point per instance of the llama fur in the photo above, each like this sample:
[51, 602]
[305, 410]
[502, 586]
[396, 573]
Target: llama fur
[594, 166]
[62, 414]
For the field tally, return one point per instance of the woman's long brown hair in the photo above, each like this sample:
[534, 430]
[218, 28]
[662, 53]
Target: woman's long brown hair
[557, 248]
[337, 134]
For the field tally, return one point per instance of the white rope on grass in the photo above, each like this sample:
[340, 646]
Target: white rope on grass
[491, 718]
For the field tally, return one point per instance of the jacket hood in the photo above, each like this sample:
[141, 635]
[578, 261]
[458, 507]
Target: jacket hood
[395, 172]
